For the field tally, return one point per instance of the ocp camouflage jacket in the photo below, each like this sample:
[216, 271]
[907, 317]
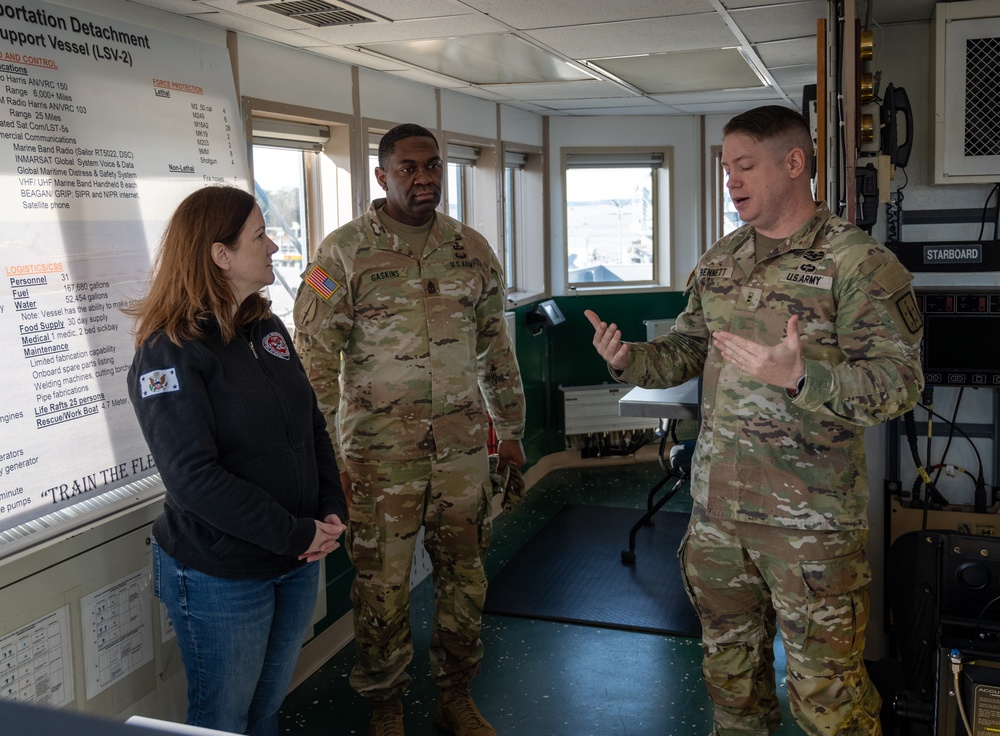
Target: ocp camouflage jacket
[424, 341]
[764, 454]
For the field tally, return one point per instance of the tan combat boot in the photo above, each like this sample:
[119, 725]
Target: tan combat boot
[387, 717]
[459, 716]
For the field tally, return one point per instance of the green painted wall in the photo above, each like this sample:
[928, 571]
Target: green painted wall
[563, 355]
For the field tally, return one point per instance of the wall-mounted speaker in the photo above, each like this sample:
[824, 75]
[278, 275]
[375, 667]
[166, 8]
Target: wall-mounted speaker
[966, 104]
[970, 582]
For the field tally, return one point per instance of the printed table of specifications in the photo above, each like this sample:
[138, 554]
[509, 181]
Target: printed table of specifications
[57, 345]
[59, 150]
[36, 662]
[100, 140]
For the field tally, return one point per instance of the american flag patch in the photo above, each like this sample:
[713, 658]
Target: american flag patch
[321, 282]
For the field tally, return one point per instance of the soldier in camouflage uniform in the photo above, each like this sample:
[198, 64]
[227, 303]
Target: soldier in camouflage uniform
[805, 331]
[400, 324]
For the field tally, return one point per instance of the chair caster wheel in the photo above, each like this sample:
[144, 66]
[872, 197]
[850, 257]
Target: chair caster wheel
[628, 557]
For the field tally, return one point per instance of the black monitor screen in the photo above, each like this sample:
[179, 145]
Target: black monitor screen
[961, 342]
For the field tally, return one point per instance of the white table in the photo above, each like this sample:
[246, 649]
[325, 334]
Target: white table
[672, 404]
[678, 402]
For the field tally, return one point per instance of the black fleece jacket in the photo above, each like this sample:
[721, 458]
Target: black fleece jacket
[241, 447]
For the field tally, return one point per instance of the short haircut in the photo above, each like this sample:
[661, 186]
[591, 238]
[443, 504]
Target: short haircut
[772, 122]
[407, 130]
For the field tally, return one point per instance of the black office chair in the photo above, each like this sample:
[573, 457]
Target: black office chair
[676, 468]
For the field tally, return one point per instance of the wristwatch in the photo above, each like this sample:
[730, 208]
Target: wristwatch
[793, 392]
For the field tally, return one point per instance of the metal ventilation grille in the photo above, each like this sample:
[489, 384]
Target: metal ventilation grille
[317, 13]
[982, 97]
[69, 517]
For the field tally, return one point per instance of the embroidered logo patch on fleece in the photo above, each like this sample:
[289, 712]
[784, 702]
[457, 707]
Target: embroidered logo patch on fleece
[161, 381]
[274, 343]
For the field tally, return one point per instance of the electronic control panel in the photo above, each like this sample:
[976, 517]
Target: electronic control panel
[961, 344]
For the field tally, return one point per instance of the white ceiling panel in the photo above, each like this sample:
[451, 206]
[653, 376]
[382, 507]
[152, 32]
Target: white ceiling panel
[431, 80]
[629, 111]
[794, 76]
[407, 30]
[388, 10]
[788, 52]
[397, 10]
[902, 11]
[682, 71]
[656, 35]
[475, 46]
[794, 20]
[178, 7]
[721, 108]
[688, 99]
[358, 58]
[535, 15]
[734, 4]
[496, 59]
[560, 90]
[592, 102]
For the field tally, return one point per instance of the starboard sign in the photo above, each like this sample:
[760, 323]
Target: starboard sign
[954, 253]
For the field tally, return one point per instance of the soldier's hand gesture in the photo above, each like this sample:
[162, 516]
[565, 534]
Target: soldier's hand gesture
[608, 342]
[781, 365]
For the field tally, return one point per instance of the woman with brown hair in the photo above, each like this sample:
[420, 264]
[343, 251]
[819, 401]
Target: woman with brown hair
[253, 489]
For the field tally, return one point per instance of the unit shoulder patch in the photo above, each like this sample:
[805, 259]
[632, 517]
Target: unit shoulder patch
[908, 310]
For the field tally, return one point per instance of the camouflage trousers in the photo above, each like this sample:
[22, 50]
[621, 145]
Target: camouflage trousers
[391, 501]
[746, 581]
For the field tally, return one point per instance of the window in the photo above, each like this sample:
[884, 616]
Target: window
[612, 204]
[461, 160]
[279, 185]
[726, 218]
[302, 185]
[511, 188]
[374, 190]
[518, 181]
[522, 246]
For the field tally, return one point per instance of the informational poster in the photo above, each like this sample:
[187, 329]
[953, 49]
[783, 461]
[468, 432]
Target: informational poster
[117, 625]
[36, 662]
[104, 128]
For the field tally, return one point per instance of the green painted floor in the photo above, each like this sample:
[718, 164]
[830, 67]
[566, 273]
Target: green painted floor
[541, 678]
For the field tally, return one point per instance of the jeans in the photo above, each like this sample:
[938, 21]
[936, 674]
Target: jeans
[239, 640]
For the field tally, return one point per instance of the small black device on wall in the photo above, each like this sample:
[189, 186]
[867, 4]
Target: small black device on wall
[546, 314]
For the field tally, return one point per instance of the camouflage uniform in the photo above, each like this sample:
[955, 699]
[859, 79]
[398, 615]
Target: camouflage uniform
[779, 481]
[417, 344]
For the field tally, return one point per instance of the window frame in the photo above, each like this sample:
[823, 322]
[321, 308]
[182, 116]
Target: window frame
[524, 252]
[329, 187]
[718, 199]
[661, 209]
